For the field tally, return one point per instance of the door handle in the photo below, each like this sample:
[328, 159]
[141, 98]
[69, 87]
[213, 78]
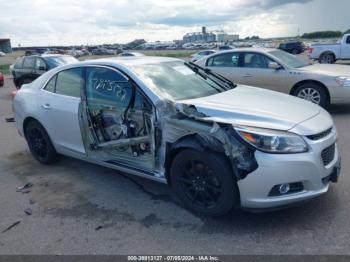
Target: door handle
[247, 75]
[46, 106]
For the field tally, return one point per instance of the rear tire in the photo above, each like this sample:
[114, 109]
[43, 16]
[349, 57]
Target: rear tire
[204, 182]
[39, 143]
[314, 93]
[327, 58]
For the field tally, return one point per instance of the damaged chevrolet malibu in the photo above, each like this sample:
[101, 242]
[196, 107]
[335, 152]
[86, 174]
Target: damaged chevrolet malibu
[219, 146]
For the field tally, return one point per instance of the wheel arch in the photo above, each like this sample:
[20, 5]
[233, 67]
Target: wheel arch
[29, 119]
[308, 81]
[328, 52]
[197, 141]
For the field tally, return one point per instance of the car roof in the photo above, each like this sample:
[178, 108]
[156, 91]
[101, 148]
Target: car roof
[48, 55]
[130, 60]
[248, 49]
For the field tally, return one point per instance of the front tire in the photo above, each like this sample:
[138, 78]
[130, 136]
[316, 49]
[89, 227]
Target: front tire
[204, 182]
[39, 143]
[314, 93]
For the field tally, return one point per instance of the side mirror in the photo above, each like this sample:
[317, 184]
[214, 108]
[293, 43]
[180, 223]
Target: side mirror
[274, 65]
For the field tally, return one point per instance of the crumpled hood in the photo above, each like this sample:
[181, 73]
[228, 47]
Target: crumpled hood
[328, 69]
[245, 105]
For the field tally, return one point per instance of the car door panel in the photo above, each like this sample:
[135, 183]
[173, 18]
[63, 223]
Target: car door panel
[40, 67]
[27, 70]
[345, 50]
[256, 73]
[61, 113]
[227, 65]
[59, 107]
[117, 124]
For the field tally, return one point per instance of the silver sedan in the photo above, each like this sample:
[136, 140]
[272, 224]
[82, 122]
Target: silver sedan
[277, 70]
[218, 145]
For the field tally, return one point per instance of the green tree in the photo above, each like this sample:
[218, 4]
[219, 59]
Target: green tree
[322, 34]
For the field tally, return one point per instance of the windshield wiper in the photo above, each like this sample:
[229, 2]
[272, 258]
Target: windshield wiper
[205, 77]
[223, 79]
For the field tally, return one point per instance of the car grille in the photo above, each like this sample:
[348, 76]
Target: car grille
[327, 154]
[320, 135]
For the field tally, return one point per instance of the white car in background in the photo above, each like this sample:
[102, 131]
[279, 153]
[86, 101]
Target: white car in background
[280, 71]
[330, 53]
[197, 56]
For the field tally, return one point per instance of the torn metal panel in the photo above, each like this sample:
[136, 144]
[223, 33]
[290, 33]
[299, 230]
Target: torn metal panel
[190, 128]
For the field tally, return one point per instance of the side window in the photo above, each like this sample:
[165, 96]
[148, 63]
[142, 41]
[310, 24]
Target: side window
[108, 86]
[255, 60]
[224, 60]
[29, 62]
[19, 63]
[50, 86]
[40, 64]
[70, 82]
[348, 40]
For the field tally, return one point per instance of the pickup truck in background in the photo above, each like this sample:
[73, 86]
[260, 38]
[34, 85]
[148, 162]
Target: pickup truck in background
[330, 53]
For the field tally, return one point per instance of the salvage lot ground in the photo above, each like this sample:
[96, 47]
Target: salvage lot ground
[79, 208]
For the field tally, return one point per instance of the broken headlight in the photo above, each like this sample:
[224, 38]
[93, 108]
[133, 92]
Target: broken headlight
[272, 141]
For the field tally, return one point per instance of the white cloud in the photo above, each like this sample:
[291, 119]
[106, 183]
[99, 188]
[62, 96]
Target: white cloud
[66, 22]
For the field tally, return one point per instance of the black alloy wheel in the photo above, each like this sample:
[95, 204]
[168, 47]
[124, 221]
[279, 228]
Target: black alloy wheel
[39, 143]
[204, 182]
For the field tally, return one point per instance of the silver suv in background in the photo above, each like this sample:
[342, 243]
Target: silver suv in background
[218, 145]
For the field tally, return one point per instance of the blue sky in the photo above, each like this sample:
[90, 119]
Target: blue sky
[46, 22]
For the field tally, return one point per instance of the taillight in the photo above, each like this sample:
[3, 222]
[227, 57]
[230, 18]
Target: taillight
[13, 94]
[310, 50]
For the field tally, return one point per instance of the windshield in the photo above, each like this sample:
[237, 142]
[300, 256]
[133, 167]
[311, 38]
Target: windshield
[177, 80]
[288, 59]
[60, 60]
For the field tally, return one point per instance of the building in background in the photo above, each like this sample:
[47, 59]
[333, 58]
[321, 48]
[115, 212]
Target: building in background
[199, 37]
[5, 45]
[223, 37]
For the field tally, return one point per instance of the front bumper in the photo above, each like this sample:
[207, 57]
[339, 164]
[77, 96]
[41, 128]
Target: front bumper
[307, 168]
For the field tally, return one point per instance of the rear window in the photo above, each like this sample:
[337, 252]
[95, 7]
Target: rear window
[70, 82]
[50, 87]
[29, 62]
[19, 63]
[224, 60]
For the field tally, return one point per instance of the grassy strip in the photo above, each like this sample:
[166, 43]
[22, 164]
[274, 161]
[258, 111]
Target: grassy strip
[5, 69]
